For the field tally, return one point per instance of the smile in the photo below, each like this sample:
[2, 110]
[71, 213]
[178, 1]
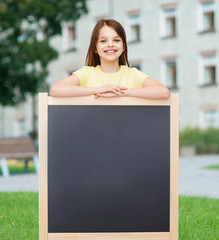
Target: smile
[110, 51]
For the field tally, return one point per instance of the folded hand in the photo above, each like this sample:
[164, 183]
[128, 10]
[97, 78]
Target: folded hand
[110, 91]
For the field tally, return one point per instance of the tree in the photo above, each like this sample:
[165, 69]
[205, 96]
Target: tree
[26, 27]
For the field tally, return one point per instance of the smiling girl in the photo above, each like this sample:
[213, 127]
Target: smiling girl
[107, 72]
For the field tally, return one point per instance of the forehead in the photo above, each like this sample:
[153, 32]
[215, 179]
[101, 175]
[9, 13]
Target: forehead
[107, 31]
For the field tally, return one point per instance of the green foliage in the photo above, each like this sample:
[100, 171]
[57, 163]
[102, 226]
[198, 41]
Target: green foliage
[24, 55]
[216, 167]
[206, 141]
[17, 169]
[190, 136]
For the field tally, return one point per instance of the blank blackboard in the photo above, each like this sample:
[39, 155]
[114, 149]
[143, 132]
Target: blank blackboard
[108, 168]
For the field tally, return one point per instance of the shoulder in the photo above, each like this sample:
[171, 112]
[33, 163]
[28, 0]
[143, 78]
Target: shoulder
[87, 68]
[131, 70]
[138, 73]
[137, 77]
[135, 70]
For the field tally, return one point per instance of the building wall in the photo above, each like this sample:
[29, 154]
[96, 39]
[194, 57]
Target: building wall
[16, 121]
[151, 51]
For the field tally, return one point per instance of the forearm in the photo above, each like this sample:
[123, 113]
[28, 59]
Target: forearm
[150, 92]
[64, 90]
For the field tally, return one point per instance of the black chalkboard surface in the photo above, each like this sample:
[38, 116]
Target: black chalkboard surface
[105, 171]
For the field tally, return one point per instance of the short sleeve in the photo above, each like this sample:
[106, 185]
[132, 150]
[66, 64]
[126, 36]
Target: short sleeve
[137, 77]
[82, 75]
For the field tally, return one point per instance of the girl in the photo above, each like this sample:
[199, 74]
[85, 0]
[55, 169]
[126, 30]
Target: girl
[107, 72]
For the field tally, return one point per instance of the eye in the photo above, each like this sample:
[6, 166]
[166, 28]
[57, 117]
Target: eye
[117, 40]
[102, 41]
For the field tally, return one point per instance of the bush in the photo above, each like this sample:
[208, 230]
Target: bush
[205, 141]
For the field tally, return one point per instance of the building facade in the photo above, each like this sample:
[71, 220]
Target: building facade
[175, 42]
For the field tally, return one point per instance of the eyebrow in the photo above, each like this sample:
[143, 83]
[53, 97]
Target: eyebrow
[106, 37]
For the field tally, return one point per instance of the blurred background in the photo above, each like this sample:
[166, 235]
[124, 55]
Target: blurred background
[175, 42]
[42, 42]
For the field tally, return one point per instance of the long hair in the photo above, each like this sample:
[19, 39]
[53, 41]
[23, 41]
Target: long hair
[92, 58]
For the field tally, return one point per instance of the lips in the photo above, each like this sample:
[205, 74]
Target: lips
[110, 51]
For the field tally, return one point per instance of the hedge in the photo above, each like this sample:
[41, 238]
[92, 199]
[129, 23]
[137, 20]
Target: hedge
[206, 141]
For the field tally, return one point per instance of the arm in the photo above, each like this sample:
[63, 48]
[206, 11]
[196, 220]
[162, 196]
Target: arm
[151, 89]
[70, 87]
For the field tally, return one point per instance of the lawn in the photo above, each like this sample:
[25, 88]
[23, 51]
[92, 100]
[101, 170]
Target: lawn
[16, 168]
[19, 216]
[198, 217]
[216, 166]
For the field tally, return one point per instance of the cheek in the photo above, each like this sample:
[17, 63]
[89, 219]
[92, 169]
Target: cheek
[123, 47]
[97, 49]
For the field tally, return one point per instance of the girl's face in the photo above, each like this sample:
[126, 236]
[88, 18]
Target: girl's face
[109, 45]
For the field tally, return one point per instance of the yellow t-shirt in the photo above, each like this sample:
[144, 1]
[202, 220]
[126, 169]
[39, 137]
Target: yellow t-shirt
[95, 77]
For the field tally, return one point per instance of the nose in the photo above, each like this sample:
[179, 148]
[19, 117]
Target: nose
[110, 43]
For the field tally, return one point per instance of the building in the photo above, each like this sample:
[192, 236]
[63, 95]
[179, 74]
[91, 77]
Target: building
[175, 42]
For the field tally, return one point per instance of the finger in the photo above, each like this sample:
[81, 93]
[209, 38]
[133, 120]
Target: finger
[113, 90]
[117, 90]
[121, 87]
[107, 95]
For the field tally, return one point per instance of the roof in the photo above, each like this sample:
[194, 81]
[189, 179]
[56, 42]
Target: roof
[21, 147]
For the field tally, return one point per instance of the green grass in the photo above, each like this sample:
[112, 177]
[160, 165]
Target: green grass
[19, 216]
[16, 169]
[198, 217]
[212, 166]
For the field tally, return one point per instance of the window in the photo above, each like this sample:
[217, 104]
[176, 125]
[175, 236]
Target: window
[20, 127]
[208, 69]
[210, 118]
[134, 27]
[168, 21]
[69, 36]
[206, 20]
[169, 73]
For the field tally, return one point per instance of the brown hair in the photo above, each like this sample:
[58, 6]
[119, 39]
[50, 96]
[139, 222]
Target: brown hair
[92, 58]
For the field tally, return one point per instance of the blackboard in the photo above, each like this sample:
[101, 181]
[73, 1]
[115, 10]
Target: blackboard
[108, 170]
[105, 173]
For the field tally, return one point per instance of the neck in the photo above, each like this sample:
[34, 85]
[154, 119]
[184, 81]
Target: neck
[109, 67]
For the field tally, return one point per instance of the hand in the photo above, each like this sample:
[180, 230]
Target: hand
[109, 94]
[116, 89]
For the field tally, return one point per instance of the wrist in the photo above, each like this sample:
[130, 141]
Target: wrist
[126, 93]
[94, 91]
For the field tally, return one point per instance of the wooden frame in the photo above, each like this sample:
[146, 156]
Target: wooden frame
[44, 101]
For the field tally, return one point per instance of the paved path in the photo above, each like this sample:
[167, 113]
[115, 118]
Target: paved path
[19, 182]
[194, 180]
